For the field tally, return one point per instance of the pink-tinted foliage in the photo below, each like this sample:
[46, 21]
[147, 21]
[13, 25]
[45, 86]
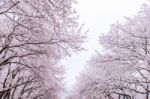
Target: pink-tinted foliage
[122, 70]
[34, 36]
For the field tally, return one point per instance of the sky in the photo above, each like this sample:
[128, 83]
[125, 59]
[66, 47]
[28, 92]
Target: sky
[97, 16]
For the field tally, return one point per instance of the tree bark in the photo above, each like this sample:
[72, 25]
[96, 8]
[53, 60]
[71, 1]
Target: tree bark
[147, 95]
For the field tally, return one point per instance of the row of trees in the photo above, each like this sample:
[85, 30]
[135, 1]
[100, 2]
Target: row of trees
[34, 36]
[122, 69]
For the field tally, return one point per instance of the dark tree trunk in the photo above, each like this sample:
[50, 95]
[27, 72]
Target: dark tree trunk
[147, 95]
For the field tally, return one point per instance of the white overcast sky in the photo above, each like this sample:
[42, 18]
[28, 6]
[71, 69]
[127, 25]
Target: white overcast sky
[97, 15]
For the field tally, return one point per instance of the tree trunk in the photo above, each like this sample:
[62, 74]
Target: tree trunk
[147, 95]
[119, 96]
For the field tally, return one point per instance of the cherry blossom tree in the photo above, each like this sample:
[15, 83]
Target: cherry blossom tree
[35, 35]
[121, 70]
